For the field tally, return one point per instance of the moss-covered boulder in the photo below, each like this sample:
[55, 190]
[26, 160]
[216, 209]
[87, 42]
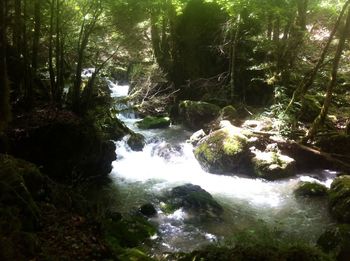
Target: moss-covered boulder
[196, 114]
[310, 108]
[224, 151]
[228, 113]
[194, 200]
[151, 122]
[136, 141]
[272, 165]
[311, 189]
[127, 231]
[339, 199]
[336, 241]
[68, 148]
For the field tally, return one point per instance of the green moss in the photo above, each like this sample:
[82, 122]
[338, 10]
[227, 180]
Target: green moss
[154, 123]
[339, 198]
[311, 189]
[228, 113]
[336, 240]
[128, 232]
[134, 254]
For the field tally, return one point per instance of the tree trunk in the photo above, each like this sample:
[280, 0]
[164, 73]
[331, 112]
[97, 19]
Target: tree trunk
[51, 70]
[233, 69]
[28, 85]
[5, 109]
[58, 54]
[36, 37]
[333, 81]
[309, 78]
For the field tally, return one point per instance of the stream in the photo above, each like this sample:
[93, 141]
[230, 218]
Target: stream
[249, 204]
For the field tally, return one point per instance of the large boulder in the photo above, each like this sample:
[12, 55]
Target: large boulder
[151, 122]
[194, 200]
[339, 199]
[311, 189]
[224, 151]
[68, 149]
[272, 165]
[196, 114]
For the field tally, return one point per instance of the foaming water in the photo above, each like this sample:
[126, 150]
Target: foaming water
[117, 90]
[168, 161]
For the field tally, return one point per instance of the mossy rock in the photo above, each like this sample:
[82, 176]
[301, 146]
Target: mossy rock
[194, 200]
[134, 254]
[273, 165]
[151, 122]
[339, 144]
[20, 183]
[128, 232]
[311, 189]
[136, 142]
[228, 113]
[339, 199]
[223, 151]
[196, 114]
[336, 240]
[310, 108]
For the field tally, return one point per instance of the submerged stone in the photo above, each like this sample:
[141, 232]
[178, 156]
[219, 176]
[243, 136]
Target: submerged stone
[339, 199]
[148, 210]
[151, 122]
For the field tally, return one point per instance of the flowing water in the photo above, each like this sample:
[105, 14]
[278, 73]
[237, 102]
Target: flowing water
[249, 204]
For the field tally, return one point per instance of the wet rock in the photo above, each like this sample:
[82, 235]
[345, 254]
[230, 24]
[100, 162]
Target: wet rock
[224, 151]
[166, 150]
[196, 114]
[148, 210]
[272, 165]
[195, 200]
[311, 189]
[151, 122]
[136, 142]
[197, 136]
[336, 240]
[263, 124]
[339, 199]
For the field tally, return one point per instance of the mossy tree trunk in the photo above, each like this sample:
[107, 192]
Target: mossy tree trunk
[5, 111]
[333, 81]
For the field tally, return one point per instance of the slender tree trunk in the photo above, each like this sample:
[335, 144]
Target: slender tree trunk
[233, 69]
[58, 53]
[156, 41]
[308, 79]
[333, 81]
[269, 27]
[28, 86]
[36, 37]
[51, 69]
[5, 109]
